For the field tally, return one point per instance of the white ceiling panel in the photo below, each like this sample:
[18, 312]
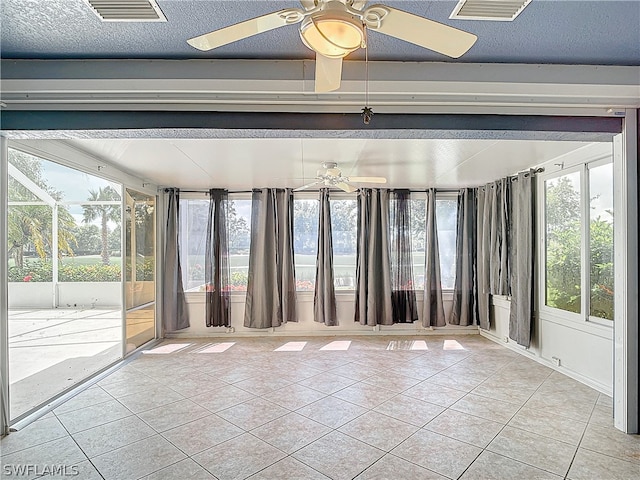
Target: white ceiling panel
[242, 164]
[502, 158]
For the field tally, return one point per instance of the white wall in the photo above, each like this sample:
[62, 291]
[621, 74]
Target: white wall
[305, 324]
[579, 348]
[584, 351]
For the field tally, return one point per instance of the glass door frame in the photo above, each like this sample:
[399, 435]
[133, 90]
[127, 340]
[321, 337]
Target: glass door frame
[157, 329]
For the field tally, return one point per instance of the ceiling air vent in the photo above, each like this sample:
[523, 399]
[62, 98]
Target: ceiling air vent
[496, 10]
[127, 10]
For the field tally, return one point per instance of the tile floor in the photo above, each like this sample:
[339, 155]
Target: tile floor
[474, 410]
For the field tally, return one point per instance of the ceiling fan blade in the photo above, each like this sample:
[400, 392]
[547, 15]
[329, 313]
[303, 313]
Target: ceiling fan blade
[422, 31]
[245, 29]
[328, 73]
[346, 187]
[308, 185]
[368, 179]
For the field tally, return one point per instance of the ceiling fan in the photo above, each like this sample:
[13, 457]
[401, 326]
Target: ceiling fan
[332, 176]
[335, 28]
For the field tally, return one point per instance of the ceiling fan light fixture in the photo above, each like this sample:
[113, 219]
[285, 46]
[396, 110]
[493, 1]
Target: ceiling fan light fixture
[333, 35]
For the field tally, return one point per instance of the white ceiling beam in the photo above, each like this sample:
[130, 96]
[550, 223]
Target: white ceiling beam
[263, 85]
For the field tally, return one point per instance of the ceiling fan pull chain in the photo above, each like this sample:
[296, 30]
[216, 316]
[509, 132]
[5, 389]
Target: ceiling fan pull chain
[367, 112]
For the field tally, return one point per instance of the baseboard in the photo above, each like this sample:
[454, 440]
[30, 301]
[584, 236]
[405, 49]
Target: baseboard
[220, 332]
[565, 371]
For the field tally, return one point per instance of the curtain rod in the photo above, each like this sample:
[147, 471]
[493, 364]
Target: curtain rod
[444, 190]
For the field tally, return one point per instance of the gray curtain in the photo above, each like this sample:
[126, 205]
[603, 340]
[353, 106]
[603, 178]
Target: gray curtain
[522, 258]
[373, 265]
[217, 300]
[483, 260]
[271, 286]
[465, 299]
[324, 295]
[498, 192]
[493, 229]
[403, 295]
[433, 306]
[175, 315]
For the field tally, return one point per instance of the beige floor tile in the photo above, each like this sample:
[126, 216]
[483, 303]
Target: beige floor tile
[535, 450]
[438, 453]
[394, 382]
[63, 451]
[291, 432]
[327, 382]
[379, 430]
[391, 467]
[201, 434]
[612, 442]
[491, 409]
[364, 394]
[39, 432]
[173, 415]
[338, 456]
[137, 459]
[239, 457]
[185, 469]
[466, 428]
[149, 399]
[294, 396]
[252, 413]
[436, 394]
[288, 469]
[92, 396]
[83, 470]
[589, 465]
[89, 417]
[549, 425]
[113, 435]
[222, 398]
[410, 410]
[331, 411]
[491, 466]
[602, 415]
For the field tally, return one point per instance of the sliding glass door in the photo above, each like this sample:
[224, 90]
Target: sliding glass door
[64, 278]
[140, 268]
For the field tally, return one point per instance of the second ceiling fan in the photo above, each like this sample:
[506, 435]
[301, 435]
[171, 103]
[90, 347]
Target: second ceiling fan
[335, 28]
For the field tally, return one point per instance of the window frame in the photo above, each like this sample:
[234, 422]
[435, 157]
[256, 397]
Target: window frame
[583, 169]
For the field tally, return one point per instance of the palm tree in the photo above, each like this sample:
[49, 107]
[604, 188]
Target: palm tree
[105, 213]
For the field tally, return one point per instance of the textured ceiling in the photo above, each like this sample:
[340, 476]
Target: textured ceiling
[604, 32]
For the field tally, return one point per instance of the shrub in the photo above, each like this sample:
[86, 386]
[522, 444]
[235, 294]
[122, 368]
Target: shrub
[42, 271]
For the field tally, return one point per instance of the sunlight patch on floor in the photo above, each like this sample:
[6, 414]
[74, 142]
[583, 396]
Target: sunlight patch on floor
[291, 347]
[168, 348]
[452, 345]
[337, 345]
[216, 347]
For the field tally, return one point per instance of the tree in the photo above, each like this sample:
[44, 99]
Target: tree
[87, 239]
[564, 253]
[105, 213]
[31, 226]
[238, 229]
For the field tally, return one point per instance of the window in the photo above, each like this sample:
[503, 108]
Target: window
[418, 228]
[305, 242]
[563, 241]
[193, 237]
[344, 230]
[447, 221]
[239, 230]
[579, 211]
[601, 241]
